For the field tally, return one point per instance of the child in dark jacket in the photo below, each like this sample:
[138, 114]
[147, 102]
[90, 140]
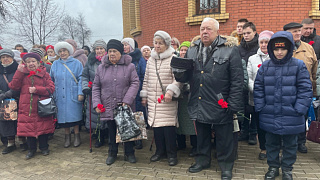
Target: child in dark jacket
[282, 95]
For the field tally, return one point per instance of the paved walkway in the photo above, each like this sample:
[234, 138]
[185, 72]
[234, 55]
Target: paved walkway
[77, 163]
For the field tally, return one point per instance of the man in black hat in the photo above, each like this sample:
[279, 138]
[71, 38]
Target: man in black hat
[304, 52]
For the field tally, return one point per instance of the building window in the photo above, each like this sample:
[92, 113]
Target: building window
[208, 6]
[200, 9]
[314, 13]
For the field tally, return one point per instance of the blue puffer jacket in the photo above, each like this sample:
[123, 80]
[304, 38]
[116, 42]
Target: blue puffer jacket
[282, 92]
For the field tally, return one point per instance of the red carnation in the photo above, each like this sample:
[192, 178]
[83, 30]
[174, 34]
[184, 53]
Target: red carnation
[259, 65]
[48, 63]
[103, 110]
[223, 103]
[159, 100]
[162, 96]
[41, 62]
[39, 70]
[90, 84]
[100, 106]
[311, 42]
[32, 73]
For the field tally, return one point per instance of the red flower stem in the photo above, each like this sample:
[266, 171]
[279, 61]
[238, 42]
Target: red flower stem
[31, 98]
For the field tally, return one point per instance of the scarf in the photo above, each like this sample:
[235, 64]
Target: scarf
[100, 57]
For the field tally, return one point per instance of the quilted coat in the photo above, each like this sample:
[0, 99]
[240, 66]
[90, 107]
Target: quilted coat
[165, 113]
[33, 125]
[282, 92]
[113, 84]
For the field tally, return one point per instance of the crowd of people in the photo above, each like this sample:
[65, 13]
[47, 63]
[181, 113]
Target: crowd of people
[203, 90]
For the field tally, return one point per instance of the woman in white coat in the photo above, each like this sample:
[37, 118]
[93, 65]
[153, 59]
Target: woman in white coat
[254, 63]
[162, 111]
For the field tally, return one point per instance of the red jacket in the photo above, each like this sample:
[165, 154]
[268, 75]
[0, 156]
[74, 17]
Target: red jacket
[33, 125]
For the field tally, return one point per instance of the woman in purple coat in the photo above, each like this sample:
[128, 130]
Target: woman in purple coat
[116, 81]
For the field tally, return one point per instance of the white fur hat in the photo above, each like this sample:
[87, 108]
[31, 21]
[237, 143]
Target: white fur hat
[145, 46]
[61, 45]
[130, 41]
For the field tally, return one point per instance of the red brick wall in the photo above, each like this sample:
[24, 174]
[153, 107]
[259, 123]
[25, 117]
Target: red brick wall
[169, 16]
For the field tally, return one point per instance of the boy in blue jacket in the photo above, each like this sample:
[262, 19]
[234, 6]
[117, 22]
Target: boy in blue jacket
[282, 95]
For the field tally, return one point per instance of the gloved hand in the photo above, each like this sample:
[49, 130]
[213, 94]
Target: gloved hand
[87, 91]
[2, 96]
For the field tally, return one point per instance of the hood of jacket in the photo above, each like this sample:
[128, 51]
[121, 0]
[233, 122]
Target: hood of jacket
[124, 60]
[92, 58]
[230, 41]
[136, 55]
[167, 53]
[253, 43]
[279, 34]
[78, 52]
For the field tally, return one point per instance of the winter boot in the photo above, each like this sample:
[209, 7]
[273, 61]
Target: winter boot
[77, 140]
[67, 140]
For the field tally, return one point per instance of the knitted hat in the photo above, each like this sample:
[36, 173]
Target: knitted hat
[280, 42]
[130, 41]
[185, 43]
[61, 45]
[292, 25]
[32, 55]
[6, 52]
[100, 43]
[72, 42]
[181, 63]
[115, 44]
[265, 35]
[38, 51]
[145, 46]
[49, 47]
[165, 36]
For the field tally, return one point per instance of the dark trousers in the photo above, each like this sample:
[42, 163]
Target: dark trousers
[249, 127]
[302, 137]
[261, 132]
[43, 142]
[165, 140]
[113, 146]
[289, 150]
[224, 145]
[181, 140]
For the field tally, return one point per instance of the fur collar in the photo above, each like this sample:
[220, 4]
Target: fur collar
[124, 60]
[167, 53]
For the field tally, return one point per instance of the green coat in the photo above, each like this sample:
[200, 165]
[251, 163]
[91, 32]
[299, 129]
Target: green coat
[186, 126]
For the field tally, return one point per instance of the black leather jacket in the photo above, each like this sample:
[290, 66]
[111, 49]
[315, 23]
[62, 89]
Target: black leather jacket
[222, 74]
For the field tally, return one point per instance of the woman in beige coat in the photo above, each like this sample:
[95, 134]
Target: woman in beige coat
[162, 111]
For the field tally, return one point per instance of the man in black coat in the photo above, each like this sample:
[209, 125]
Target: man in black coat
[309, 34]
[216, 94]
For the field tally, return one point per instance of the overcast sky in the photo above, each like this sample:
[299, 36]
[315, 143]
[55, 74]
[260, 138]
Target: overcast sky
[103, 17]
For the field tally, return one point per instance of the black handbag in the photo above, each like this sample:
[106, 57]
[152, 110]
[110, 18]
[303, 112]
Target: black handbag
[47, 107]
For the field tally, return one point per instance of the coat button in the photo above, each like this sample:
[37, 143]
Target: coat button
[115, 79]
[200, 85]
[114, 98]
[200, 98]
[201, 72]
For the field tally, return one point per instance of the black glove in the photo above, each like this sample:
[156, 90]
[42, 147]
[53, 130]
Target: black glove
[87, 91]
[2, 96]
[9, 94]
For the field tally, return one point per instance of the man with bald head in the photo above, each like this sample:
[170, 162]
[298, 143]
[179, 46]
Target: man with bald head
[216, 94]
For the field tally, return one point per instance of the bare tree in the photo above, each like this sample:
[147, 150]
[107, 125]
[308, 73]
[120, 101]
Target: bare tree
[69, 28]
[84, 31]
[37, 19]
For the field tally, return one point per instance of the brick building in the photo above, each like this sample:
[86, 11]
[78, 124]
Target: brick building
[182, 18]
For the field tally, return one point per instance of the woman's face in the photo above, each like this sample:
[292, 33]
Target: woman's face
[183, 51]
[100, 51]
[264, 45]
[50, 52]
[64, 53]
[146, 53]
[86, 52]
[5, 59]
[32, 64]
[114, 55]
[159, 45]
[126, 48]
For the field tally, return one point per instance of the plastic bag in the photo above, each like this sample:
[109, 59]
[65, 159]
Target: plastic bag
[126, 123]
